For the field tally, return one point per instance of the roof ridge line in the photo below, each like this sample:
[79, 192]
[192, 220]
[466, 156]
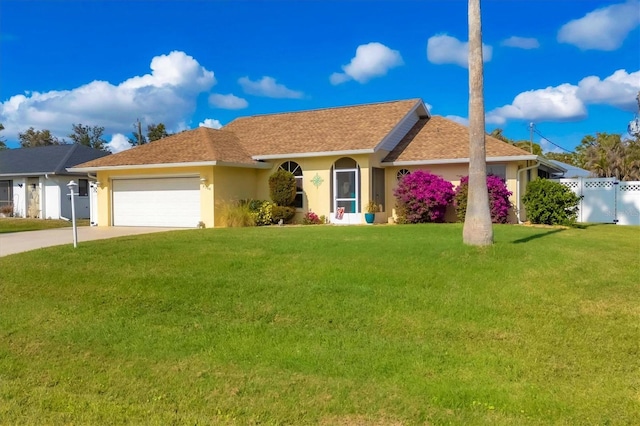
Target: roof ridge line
[61, 167]
[323, 109]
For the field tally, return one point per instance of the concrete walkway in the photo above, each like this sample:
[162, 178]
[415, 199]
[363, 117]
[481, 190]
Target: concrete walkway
[18, 242]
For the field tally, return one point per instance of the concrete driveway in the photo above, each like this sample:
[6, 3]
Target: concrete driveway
[18, 242]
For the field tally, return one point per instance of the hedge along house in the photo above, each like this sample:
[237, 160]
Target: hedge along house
[33, 181]
[341, 157]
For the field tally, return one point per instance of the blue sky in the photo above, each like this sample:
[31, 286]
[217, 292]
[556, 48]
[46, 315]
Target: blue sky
[572, 67]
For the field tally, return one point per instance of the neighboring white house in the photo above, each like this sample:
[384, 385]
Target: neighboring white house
[33, 181]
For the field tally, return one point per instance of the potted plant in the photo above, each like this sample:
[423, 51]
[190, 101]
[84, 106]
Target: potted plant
[370, 215]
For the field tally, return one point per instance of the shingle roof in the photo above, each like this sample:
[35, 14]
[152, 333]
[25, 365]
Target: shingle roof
[324, 130]
[438, 138]
[51, 159]
[199, 145]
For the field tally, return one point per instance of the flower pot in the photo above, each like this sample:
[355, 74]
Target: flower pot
[369, 217]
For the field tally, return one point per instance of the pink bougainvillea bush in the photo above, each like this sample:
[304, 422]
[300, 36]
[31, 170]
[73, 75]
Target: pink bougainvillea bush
[422, 197]
[498, 198]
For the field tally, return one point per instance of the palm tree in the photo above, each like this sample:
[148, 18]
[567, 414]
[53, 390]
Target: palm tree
[477, 230]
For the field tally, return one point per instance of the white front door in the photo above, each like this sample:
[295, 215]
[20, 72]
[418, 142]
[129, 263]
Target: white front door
[346, 197]
[173, 202]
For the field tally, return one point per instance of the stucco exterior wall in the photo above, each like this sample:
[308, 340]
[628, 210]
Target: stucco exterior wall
[105, 179]
[231, 184]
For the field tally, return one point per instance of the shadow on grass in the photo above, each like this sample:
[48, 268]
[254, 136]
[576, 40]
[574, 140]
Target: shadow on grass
[536, 236]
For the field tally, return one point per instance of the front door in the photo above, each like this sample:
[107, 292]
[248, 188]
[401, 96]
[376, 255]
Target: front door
[346, 199]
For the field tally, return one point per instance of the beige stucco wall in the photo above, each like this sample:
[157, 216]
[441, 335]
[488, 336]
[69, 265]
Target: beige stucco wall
[229, 184]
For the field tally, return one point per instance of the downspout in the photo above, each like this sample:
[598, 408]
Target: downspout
[518, 203]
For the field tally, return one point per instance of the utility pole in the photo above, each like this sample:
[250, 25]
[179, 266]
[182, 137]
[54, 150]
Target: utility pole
[140, 142]
[531, 137]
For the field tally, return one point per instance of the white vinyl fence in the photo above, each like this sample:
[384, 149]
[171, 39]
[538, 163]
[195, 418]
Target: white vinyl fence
[606, 200]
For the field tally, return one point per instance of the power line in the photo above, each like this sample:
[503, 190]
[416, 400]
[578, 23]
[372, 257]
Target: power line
[548, 140]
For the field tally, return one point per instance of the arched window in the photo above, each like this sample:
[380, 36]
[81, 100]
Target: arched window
[402, 173]
[293, 167]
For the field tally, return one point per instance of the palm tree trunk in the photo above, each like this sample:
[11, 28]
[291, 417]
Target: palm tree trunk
[477, 230]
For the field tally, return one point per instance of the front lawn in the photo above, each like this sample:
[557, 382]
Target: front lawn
[15, 224]
[325, 325]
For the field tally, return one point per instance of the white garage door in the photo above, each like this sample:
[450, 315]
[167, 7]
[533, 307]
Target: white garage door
[173, 202]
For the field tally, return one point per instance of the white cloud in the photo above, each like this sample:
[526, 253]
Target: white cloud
[118, 143]
[602, 29]
[567, 102]
[559, 103]
[444, 49]
[229, 101]
[371, 60]
[619, 90]
[210, 122]
[168, 95]
[460, 120]
[521, 42]
[268, 87]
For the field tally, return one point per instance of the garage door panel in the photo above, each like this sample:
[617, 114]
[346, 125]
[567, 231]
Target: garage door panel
[171, 202]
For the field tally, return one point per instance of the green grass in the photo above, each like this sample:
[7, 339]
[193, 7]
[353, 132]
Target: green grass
[325, 325]
[13, 224]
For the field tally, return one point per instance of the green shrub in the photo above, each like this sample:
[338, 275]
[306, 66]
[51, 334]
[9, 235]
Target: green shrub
[282, 188]
[282, 212]
[262, 211]
[235, 214]
[550, 203]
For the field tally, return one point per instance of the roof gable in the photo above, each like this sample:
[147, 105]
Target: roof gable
[50, 159]
[199, 145]
[438, 138]
[341, 129]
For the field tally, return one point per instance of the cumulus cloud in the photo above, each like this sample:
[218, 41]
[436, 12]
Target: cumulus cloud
[444, 49]
[371, 60]
[602, 29]
[567, 102]
[118, 143]
[521, 42]
[229, 101]
[168, 95]
[619, 90]
[559, 103]
[268, 87]
[210, 122]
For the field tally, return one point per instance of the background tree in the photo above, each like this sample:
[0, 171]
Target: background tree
[3, 145]
[563, 157]
[522, 144]
[607, 155]
[137, 138]
[88, 136]
[156, 132]
[31, 138]
[477, 230]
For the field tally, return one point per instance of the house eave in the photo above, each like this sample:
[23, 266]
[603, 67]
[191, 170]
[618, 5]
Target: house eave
[169, 165]
[461, 160]
[312, 154]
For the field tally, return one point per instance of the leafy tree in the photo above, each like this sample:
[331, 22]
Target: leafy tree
[522, 144]
[607, 155]
[88, 136]
[3, 145]
[137, 138]
[31, 138]
[550, 203]
[156, 132]
[477, 229]
[563, 157]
